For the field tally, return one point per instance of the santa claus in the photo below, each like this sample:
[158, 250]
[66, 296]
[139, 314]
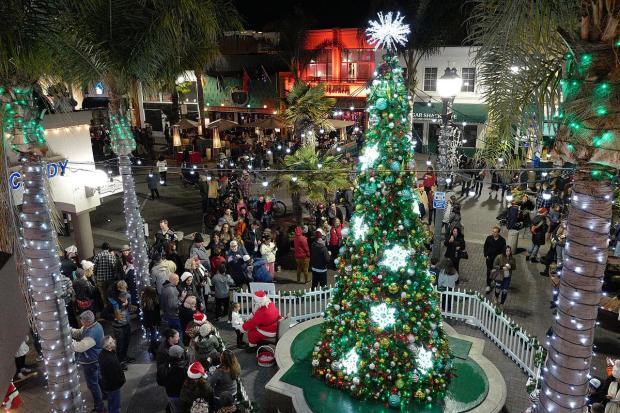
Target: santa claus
[264, 321]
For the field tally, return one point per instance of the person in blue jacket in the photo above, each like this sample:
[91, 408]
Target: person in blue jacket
[88, 343]
[261, 273]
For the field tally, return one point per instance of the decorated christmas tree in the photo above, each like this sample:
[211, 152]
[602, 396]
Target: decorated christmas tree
[382, 334]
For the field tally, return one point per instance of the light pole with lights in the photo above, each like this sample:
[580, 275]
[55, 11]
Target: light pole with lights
[448, 86]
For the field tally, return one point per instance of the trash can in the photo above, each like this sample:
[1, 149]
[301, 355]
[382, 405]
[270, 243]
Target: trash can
[513, 239]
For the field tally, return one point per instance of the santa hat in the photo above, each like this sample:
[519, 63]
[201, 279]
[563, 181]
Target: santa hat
[186, 275]
[196, 371]
[261, 299]
[246, 258]
[199, 318]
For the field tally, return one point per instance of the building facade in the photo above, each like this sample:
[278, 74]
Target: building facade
[345, 66]
[469, 109]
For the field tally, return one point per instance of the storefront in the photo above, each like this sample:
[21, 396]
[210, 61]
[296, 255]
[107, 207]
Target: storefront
[77, 187]
[469, 117]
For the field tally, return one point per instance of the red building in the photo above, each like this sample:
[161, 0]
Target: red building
[344, 68]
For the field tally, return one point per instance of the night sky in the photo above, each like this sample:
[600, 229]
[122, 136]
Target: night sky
[264, 15]
[321, 14]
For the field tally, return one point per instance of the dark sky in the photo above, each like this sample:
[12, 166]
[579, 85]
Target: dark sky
[261, 15]
[321, 14]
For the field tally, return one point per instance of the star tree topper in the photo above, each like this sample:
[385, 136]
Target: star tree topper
[387, 32]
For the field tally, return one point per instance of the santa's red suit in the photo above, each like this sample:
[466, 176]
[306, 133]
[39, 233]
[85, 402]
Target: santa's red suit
[264, 322]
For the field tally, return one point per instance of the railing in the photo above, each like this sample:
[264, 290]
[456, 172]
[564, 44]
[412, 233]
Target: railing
[470, 307]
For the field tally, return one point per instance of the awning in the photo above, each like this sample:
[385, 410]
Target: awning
[222, 124]
[187, 124]
[272, 122]
[339, 124]
[462, 112]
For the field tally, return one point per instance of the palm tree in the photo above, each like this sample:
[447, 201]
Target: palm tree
[29, 35]
[522, 47]
[306, 110]
[313, 176]
[139, 41]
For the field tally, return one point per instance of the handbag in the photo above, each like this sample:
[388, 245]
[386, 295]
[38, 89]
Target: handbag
[497, 275]
[84, 304]
[462, 254]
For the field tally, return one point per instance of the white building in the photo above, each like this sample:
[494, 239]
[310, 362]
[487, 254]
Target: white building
[469, 109]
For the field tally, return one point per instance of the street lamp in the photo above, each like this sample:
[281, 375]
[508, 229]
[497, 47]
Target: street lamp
[448, 86]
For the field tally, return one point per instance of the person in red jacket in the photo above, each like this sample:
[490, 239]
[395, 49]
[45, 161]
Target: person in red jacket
[264, 322]
[302, 254]
[335, 239]
[217, 258]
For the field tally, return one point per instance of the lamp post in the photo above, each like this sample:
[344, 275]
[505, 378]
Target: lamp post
[447, 86]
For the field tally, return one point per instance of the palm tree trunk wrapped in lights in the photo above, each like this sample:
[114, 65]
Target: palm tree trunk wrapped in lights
[530, 51]
[22, 130]
[566, 373]
[123, 144]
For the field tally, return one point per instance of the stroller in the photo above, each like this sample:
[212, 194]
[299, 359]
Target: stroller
[189, 175]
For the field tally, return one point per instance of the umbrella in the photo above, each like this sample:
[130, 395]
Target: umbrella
[273, 122]
[222, 124]
[339, 124]
[187, 124]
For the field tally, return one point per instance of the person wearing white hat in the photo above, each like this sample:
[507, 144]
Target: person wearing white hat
[264, 322]
[195, 389]
[68, 262]
[187, 284]
[85, 288]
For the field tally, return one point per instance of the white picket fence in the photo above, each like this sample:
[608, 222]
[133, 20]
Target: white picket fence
[304, 305]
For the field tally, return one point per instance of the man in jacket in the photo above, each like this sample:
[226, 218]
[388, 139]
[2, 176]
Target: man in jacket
[198, 250]
[513, 225]
[159, 273]
[105, 269]
[88, 343]
[169, 302]
[494, 245]
[319, 258]
[539, 232]
[252, 239]
[302, 254]
[112, 376]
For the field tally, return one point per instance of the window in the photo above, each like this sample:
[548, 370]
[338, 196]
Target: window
[357, 64]
[321, 67]
[430, 79]
[469, 79]
[470, 133]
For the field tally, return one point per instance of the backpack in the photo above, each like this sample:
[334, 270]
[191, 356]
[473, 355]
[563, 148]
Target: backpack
[162, 373]
[199, 405]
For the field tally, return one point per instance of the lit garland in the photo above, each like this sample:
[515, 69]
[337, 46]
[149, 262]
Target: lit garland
[21, 128]
[587, 135]
[123, 144]
[382, 337]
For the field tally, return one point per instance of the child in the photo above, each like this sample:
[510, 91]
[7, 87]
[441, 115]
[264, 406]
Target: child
[207, 345]
[217, 258]
[221, 285]
[248, 267]
[237, 322]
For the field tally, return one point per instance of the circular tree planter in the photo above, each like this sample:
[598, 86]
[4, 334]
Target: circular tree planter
[478, 386]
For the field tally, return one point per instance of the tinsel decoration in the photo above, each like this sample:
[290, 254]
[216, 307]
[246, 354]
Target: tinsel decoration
[382, 337]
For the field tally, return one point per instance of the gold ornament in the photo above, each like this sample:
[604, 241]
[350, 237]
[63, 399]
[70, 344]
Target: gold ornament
[393, 288]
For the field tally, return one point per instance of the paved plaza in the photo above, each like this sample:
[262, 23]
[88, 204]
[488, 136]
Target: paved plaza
[527, 303]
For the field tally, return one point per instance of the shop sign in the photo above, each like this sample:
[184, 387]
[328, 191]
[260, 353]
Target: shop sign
[53, 169]
[439, 200]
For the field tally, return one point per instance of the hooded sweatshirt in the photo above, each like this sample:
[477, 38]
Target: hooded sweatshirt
[300, 243]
